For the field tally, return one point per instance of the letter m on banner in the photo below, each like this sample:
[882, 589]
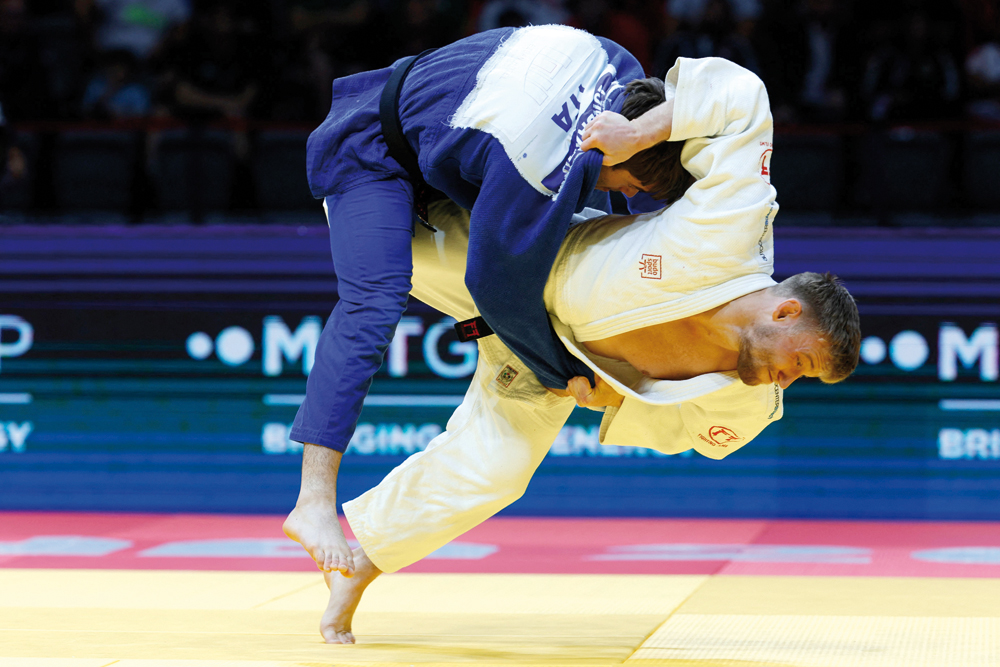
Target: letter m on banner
[281, 345]
[981, 346]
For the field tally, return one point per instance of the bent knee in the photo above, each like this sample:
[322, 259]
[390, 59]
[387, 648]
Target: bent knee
[509, 483]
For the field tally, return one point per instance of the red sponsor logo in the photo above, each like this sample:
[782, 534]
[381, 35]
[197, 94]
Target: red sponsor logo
[651, 267]
[765, 166]
[721, 435]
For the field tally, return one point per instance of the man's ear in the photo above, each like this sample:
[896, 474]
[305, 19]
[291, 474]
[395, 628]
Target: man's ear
[788, 310]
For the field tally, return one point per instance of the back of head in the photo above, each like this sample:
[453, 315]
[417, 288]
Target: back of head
[831, 310]
[659, 167]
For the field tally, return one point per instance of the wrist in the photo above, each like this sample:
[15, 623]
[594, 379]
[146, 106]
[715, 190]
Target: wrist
[645, 135]
[654, 126]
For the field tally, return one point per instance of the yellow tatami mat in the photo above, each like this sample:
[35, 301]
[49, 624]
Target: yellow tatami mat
[130, 618]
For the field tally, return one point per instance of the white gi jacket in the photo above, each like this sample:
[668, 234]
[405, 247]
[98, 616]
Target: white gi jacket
[710, 247]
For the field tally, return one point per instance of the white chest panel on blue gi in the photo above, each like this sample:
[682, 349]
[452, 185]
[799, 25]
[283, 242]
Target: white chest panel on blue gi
[536, 94]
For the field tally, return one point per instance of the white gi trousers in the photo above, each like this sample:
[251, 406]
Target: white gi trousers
[494, 441]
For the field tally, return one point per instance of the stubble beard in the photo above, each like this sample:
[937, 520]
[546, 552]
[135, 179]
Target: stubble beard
[752, 362]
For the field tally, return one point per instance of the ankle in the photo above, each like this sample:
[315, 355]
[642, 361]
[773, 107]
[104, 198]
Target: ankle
[315, 500]
[363, 563]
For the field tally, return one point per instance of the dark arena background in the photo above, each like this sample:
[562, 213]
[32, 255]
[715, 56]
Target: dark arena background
[165, 275]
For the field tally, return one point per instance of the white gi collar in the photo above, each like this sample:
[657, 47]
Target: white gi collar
[648, 390]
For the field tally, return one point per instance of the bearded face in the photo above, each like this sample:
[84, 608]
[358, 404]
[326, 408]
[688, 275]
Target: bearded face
[756, 355]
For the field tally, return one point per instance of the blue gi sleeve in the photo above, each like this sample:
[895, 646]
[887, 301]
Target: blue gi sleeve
[514, 237]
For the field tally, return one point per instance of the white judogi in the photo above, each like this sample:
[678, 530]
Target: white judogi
[713, 245]
[613, 275]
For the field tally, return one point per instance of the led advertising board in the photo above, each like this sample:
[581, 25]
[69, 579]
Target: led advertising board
[161, 369]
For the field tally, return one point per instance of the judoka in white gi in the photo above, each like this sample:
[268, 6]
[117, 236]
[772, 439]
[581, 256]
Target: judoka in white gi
[676, 311]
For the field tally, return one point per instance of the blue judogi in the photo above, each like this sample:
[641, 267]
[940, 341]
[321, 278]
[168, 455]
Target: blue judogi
[495, 121]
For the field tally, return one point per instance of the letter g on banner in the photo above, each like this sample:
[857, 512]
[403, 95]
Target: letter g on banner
[468, 351]
[20, 345]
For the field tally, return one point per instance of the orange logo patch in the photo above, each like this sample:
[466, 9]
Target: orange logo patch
[721, 435]
[650, 267]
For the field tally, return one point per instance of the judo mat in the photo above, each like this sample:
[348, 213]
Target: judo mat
[134, 590]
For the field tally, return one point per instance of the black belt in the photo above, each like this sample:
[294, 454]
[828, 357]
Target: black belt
[473, 329]
[399, 149]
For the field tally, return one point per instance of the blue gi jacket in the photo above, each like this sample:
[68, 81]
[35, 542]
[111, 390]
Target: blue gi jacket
[495, 121]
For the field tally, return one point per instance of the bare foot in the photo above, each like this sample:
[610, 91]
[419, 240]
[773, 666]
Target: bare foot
[314, 523]
[345, 594]
[316, 527]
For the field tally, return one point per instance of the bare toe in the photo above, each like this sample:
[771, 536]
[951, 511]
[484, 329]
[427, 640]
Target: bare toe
[343, 638]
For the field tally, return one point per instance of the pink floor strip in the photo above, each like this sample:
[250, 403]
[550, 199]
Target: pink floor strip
[521, 545]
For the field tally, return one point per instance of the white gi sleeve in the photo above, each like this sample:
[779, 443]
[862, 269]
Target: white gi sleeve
[716, 424]
[723, 112]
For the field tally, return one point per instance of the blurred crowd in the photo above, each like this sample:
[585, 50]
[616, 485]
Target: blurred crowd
[273, 60]
[149, 64]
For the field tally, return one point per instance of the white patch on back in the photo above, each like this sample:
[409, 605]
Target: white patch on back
[535, 95]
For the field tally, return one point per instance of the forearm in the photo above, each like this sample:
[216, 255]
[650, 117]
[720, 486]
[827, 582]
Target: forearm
[619, 138]
[654, 126]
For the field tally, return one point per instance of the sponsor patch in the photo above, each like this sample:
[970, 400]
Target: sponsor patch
[650, 267]
[506, 376]
[720, 435]
[765, 166]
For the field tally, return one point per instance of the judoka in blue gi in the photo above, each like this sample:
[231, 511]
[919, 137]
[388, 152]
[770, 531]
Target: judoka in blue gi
[496, 122]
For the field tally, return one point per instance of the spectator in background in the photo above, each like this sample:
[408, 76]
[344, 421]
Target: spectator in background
[685, 14]
[980, 23]
[417, 25]
[340, 37]
[216, 69]
[304, 70]
[982, 71]
[520, 13]
[914, 79]
[807, 54]
[704, 28]
[13, 165]
[981, 39]
[140, 27]
[115, 90]
[23, 81]
[633, 24]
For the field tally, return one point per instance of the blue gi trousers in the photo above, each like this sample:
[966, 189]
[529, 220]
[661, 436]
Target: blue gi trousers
[371, 230]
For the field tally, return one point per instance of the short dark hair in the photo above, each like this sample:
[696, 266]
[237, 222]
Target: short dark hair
[659, 167]
[831, 309]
